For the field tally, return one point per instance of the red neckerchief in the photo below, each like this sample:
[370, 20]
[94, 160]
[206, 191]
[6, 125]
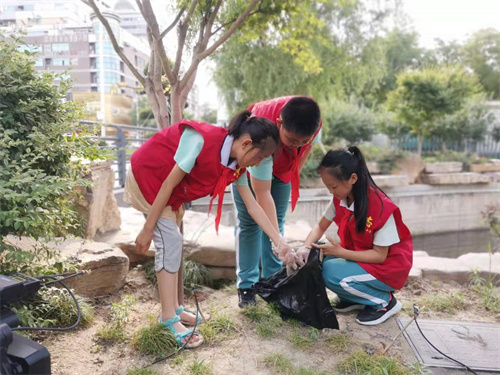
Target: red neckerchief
[295, 178]
[219, 190]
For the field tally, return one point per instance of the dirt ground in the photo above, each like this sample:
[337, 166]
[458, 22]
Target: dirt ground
[78, 352]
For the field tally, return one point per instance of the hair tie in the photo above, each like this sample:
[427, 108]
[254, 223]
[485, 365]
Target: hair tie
[250, 116]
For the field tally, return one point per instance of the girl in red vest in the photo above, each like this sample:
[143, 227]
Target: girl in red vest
[187, 161]
[274, 182]
[374, 255]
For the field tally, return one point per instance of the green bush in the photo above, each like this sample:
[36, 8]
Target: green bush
[41, 148]
[348, 120]
[310, 169]
[386, 158]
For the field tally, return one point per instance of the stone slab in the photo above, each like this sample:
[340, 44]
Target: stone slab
[459, 269]
[390, 181]
[488, 167]
[443, 167]
[455, 178]
[475, 344]
[373, 167]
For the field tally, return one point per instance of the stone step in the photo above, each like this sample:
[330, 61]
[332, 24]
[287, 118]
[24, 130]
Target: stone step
[463, 178]
[444, 167]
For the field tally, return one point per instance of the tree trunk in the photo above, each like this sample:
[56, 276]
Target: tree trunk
[420, 141]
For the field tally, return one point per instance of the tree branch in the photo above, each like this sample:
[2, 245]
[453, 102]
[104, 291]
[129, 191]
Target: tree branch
[114, 42]
[150, 18]
[174, 22]
[198, 57]
[233, 20]
[181, 40]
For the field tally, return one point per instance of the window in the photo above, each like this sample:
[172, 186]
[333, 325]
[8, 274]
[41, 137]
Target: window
[60, 48]
[48, 62]
[61, 62]
[30, 47]
[39, 62]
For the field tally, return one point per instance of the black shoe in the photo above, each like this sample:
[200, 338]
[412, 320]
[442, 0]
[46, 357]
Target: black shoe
[343, 306]
[371, 317]
[246, 297]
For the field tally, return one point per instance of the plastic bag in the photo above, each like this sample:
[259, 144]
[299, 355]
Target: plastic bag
[302, 295]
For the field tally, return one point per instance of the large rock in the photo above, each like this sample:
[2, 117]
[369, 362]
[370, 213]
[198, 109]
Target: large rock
[226, 273]
[464, 178]
[488, 167]
[211, 249]
[390, 181]
[107, 266]
[411, 167]
[373, 167]
[444, 167]
[98, 204]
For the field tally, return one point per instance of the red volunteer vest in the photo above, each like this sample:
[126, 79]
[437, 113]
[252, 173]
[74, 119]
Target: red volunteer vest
[396, 267]
[152, 162]
[286, 160]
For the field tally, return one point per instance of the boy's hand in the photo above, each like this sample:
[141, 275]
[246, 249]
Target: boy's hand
[143, 241]
[334, 249]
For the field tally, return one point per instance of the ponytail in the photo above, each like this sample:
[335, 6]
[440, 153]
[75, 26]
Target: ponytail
[341, 164]
[261, 130]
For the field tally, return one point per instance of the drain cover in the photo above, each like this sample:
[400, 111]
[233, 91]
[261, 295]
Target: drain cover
[475, 344]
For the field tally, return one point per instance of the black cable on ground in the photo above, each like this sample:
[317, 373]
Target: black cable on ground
[74, 299]
[415, 310]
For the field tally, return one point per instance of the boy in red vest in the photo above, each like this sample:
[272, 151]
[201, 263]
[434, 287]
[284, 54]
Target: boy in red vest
[187, 161]
[298, 121]
[375, 252]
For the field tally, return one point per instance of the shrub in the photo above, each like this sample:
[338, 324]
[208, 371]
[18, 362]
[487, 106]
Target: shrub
[41, 143]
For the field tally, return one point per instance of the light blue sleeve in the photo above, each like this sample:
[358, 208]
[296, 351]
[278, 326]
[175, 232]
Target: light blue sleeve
[243, 180]
[264, 171]
[189, 148]
[316, 139]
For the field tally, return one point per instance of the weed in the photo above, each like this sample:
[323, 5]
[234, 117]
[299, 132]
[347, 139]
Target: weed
[443, 302]
[201, 368]
[303, 341]
[361, 363]
[141, 371]
[265, 330]
[255, 313]
[154, 340]
[282, 365]
[109, 334]
[53, 307]
[196, 274]
[486, 290]
[178, 359]
[338, 343]
[217, 329]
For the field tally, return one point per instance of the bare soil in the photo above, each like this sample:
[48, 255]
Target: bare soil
[77, 352]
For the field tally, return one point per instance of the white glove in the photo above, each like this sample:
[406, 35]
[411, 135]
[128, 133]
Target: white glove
[301, 255]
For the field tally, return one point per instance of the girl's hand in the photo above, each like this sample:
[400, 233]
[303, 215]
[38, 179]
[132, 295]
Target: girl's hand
[334, 249]
[143, 241]
[302, 255]
[286, 254]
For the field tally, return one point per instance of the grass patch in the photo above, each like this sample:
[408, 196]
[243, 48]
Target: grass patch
[486, 291]
[194, 274]
[142, 371]
[154, 340]
[265, 330]
[53, 307]
[217, 329]
[119, 316]
[443, 302]
[256, 314]
[337, 343]
[109, 334]
[201, 368]
[303, 341]
[360, 363]
[280, 364]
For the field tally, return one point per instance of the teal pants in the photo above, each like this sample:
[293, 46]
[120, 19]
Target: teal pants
[353, 284]
[253, 248]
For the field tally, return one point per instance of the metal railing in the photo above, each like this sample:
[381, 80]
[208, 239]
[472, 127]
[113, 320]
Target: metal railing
[122, 140]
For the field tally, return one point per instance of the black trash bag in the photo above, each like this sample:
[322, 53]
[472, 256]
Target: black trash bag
[302, 295]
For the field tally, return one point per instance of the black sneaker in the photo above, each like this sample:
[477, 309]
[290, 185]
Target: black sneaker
[246, 297]
[343, 306]
[371, 317]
